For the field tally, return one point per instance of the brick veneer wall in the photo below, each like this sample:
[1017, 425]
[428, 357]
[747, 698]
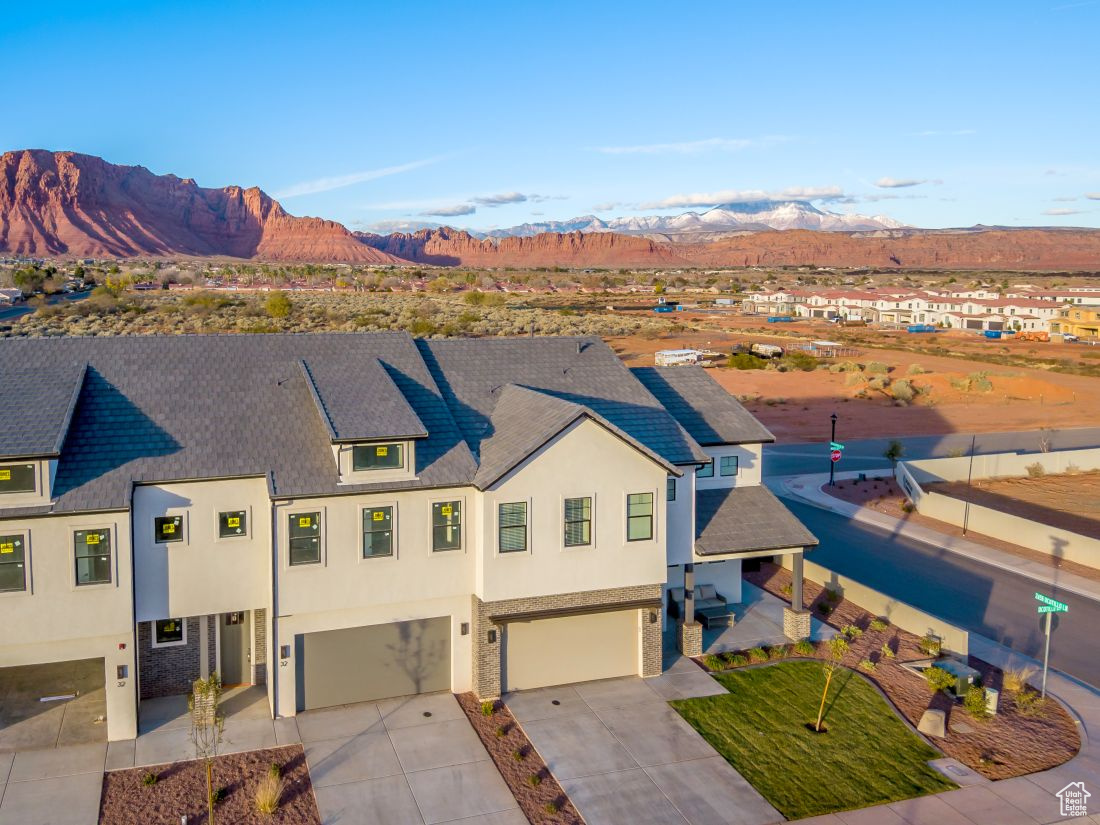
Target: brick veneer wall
[259, 648]
[487, 655]
[167, 671]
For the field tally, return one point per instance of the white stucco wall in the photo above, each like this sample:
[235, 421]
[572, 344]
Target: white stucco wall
[203, 574]
[680, 520]
[748, 466]
[586, 460]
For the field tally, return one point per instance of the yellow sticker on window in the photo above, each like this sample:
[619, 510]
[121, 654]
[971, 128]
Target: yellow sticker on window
[7, 547]
[378, 515]
[5, 475]
[233, 521]
[168, 529]
[304, 521]
[381, 451]
[446, 510]
[91, 538]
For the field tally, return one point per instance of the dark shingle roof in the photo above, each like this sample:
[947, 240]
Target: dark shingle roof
[702, 406]
[37, 407]
[523, 420]
[359, 401]
[742, 519]
[472, 372]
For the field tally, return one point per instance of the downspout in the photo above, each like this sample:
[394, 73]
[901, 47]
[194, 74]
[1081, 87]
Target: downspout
[274, 658]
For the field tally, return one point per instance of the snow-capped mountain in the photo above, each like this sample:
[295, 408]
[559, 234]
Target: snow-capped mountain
[728, 217]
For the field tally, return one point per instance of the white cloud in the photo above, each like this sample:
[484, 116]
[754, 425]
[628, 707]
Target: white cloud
[690, 147]
[607, 206]
[311, 187]
[945, 132]
[450, 211]
[501, 199]
[1093, 196]
[899, 183]
[386, 227]
[738, 195]
[1063, 211]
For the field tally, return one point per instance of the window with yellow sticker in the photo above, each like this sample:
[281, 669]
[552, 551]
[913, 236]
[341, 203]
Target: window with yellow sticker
[92, 555]
[232, 523]
[167, 529]
[304, 534]
[377, 457]
[446, 525]
[17, 478]
[13, 563]
[377, 532]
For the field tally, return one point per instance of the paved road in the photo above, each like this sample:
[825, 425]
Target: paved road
[866, 454]
[986, 600]
[10, 313]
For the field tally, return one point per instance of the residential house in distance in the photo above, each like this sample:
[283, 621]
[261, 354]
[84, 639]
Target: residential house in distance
[348, 517]
[1080, 320]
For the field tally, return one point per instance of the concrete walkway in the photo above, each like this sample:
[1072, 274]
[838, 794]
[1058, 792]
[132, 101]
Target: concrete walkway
[807, 489]
[58, 786]
[624, 757]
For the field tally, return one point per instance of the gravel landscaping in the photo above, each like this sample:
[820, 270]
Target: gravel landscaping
[180, 790]
[1015, 742]
[542, 801]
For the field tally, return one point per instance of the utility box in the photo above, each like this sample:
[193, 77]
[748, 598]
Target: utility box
[992, 700]
[964, 674]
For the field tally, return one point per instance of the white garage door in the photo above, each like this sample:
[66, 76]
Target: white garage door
[545, 652]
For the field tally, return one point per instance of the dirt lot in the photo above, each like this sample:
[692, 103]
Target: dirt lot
[1071, 501]
[796, 405]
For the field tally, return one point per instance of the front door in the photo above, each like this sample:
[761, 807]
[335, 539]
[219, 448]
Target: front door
[236, 650]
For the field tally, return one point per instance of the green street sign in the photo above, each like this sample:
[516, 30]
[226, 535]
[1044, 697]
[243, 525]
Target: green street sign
[1049, 608]
[1060, 607]
[833, 445]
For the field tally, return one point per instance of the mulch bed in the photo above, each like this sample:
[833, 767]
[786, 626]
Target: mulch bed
[1006, 745]
[181, 790]
[533, 799]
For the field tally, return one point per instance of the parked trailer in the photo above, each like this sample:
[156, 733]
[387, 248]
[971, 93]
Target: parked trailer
[766, 351]
[779, 319]
[920, 328]
[675, 357]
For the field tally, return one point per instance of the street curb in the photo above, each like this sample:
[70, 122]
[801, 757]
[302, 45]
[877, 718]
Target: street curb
[783, 487]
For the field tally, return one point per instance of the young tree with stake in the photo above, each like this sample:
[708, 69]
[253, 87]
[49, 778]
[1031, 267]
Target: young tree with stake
[838, 647]
[206, 729]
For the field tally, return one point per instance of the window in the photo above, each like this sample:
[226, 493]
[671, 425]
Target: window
[578, 521]
[728, 465]
[13, 563]
[167, 528]
[378, 457]
[706, 471]
[670, 489]
[377, 532]
[232, 523]
[169, 632]
[446, 525]
[639, 516]
[93, 556]
[512, 527]
[17, 478]
[305, 538]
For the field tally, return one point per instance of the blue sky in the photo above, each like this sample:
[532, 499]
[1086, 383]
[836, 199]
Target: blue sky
[485, 114]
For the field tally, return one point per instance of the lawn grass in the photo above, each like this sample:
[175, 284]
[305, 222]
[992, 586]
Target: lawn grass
[867, 757]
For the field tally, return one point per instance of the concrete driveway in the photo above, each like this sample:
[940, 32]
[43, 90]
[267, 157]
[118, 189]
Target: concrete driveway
[27, 723]
[625, 757]
[413, 760]
[59, 786]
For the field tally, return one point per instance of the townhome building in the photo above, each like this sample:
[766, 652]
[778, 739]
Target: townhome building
[349, 517]
[1081, 321]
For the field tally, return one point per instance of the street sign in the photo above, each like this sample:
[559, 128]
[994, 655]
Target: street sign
[833, 445]
[1060, 606]
[835, 455]
[1049, 608]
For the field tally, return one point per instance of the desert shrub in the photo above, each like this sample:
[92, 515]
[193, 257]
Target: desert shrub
[832, 596]
[746, 361]
[851, 631]
[1036, 470]
[867, 666]
[908, 507]
[551, 808]
[876, 368]
[800, 361]
[879, 382]
[974, 702]
[501, 731]
[487, 708]
[778, 652]
[824, 609]
[804, 648]
[903, 391]
[278, 305]
[786, 589]
[878, 624]
[534, 780]
[1072, 469]
[887, 651]
[736, 659]
[939, 679]
[979, 382]
[269, 792]
[713, 662]
[148, 779]
[930, 644]
[519, 755]
[275, 769]
[1015, 679]
[956, 452]
[916, 369]
[1029, 702]
[758, 654]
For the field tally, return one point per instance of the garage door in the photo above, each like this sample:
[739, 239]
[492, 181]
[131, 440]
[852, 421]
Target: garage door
[361, 664]
[973, 324]
[558, 651]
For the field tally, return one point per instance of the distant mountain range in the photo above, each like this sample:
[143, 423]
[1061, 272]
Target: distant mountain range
[70, 205]
[750, 216]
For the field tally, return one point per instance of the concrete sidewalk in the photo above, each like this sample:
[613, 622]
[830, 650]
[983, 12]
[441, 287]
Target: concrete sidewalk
[807, 489]
[1025, 800]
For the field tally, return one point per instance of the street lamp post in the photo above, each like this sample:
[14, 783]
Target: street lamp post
[832, 464]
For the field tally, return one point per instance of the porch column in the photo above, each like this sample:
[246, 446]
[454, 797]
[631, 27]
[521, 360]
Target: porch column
[796, 619]
[689, 632]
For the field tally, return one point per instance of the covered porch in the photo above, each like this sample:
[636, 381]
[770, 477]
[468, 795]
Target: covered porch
[732, 525]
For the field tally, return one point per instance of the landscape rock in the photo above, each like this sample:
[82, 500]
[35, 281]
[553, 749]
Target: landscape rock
[933, 723]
